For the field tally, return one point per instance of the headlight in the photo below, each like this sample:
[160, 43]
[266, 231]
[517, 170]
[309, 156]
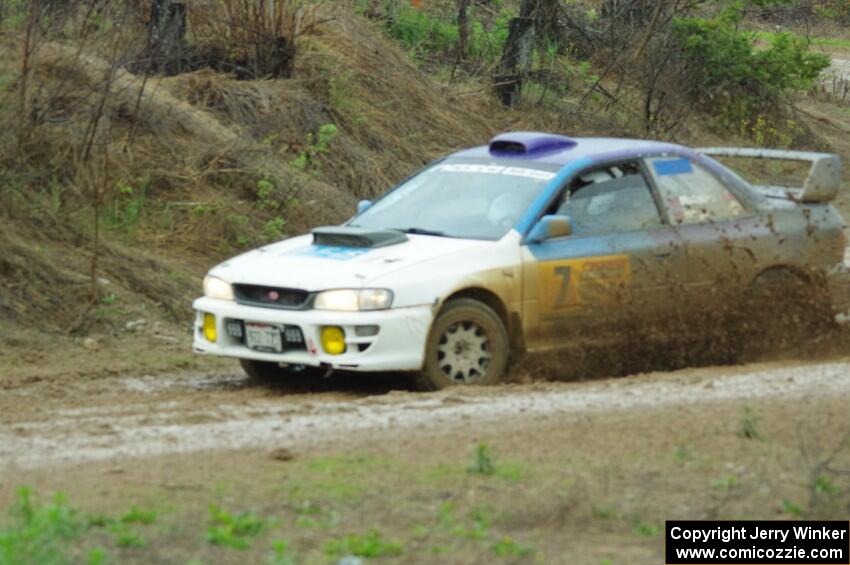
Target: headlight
[214, 287]
[350, 300]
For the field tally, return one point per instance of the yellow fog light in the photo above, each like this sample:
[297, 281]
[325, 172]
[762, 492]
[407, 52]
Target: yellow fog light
[209, 328]
[333, 340]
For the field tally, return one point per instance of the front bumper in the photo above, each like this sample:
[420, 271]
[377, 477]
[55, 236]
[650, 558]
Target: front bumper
[399, 344]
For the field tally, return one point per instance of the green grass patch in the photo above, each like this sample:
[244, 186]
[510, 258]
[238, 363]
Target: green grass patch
[369, 545]
[425, 33]
[729, 482]
[55, 533]
[236, 531]
[484, 464]
[509, 547]
[336, 479]
[139, 516]
[748, 425]
[646, 529]
[40, 533]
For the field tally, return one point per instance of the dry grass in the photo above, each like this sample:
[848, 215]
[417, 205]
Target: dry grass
[255, 38]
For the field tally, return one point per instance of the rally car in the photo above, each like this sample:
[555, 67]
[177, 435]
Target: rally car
[533, 242]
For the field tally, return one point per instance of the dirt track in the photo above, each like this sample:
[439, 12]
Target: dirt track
[842, 67]
[45, 424]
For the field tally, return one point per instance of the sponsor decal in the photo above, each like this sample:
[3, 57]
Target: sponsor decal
[670, 167]
[496, 170]
[574, 284]
[329, 252]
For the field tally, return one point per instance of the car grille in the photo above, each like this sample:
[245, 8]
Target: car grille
[271, 297]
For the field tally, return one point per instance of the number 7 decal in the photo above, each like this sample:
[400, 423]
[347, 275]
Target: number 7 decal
[575, 284]
[564, 273]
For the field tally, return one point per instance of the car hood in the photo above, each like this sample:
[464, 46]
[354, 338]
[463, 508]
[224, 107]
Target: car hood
[297, 263]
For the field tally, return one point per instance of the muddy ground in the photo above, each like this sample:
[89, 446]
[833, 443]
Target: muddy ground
[579, 472]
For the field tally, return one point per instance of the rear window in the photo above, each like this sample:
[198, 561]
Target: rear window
[691, 194]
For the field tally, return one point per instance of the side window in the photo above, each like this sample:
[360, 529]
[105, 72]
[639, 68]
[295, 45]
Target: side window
[610, 199]
[692, 194]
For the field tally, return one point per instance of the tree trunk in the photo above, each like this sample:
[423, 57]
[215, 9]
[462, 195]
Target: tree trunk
[462, 28]
[516, 56]
[535, 17]
[167, 37]
[26, 64]
[653, 25]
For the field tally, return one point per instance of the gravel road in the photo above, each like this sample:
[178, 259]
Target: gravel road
[44, 424]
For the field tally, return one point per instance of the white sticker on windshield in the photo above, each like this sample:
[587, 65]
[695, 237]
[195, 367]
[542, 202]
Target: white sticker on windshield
[530, 173]
[496, 170]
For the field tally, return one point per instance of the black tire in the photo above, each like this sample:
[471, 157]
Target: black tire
[782, 310]
[468, 345]
[273, 374]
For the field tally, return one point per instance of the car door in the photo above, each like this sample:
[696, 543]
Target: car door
[617, 267]
[725, 242]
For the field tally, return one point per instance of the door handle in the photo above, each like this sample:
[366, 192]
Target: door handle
[664, 255]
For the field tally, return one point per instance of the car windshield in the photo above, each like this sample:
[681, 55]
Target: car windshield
[463, 198]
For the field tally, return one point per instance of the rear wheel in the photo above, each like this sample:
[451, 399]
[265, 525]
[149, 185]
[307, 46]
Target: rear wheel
[468, 345]
[783, 310]
[268, 373]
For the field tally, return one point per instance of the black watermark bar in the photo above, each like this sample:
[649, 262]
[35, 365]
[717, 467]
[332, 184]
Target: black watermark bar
[748, 542]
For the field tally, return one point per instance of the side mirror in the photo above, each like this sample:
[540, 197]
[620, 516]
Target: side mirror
[363, 205]
[550, 227]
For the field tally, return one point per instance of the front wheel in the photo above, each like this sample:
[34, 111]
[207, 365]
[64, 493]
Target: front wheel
[275, 374]
[468, 345]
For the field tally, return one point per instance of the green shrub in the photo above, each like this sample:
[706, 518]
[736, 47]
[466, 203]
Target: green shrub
[124, 210]
[727, 73]
[273, 230]
[316, 146]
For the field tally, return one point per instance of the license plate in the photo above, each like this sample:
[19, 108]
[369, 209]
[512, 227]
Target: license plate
[263, 337]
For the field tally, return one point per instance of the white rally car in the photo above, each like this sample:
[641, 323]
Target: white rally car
[535, 241]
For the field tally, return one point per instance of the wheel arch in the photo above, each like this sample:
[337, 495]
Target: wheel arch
[807, 276]
[814, 282]
[511, 320]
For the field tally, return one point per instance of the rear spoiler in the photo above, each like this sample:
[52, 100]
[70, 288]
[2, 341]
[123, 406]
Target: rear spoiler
[824, 177]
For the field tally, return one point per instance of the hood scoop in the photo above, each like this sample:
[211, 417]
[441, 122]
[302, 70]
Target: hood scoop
[361, 238]
[528, 144]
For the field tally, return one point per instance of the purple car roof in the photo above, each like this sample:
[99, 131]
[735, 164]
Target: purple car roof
[547, 148]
